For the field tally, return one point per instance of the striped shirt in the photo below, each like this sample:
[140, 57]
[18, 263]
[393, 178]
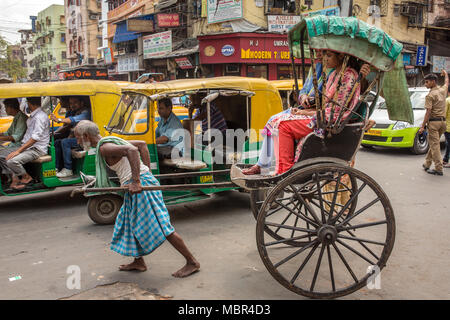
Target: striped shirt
[217, 119]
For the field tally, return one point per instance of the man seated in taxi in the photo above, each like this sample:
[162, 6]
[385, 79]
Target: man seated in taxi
[217, 119]
[63, 147]
[168, 143]
[34, 145]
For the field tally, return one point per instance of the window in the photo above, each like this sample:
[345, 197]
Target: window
[80, 44]
[63, 55]
[63, 37]
[129, 115]
[285, 72]
[257, 71]
[281, 6]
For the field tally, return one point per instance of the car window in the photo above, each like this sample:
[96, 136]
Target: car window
[418, 99]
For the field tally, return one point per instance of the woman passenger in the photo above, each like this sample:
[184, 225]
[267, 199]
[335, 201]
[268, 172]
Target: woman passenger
[289, 131]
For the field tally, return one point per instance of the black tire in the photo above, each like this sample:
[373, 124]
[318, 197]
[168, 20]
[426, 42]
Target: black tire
[367, 146]
[103, 209]
[322, 229]
[421, 145]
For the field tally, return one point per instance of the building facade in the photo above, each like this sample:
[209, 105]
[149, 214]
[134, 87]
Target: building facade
[82, 31]
[26, 47]
[50, 43]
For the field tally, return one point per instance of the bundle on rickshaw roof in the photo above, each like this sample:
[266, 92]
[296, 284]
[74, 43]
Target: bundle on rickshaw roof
[347, 35]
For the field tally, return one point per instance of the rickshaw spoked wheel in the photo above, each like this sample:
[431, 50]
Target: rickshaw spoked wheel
[351, 246]
[103, 209]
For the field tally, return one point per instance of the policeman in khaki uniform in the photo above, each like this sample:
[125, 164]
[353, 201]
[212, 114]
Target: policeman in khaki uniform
[435, 121]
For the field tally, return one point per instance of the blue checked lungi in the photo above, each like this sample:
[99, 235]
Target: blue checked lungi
[143, 222]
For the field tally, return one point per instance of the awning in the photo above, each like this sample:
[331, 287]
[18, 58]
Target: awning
[122, 34]
[180, 53]
[164, 4]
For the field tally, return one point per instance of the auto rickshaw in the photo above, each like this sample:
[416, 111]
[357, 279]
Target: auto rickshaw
[286, 88]
[325, 229]
[103, 97]
[246, 103]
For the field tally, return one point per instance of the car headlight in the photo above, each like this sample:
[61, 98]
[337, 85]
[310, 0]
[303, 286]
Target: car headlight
[400, 125]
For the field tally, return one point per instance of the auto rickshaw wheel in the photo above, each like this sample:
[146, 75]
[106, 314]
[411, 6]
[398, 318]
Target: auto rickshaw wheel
[103, 209]
[352, 246]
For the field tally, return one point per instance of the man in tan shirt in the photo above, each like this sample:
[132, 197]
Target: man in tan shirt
[435, 121]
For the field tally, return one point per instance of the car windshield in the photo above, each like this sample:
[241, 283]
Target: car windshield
[130, 116]
[417, 100]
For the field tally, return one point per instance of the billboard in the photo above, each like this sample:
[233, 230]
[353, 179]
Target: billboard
[157, 44]
[224, 10]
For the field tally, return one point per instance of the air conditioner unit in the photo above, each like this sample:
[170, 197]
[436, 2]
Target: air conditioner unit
[93, 17]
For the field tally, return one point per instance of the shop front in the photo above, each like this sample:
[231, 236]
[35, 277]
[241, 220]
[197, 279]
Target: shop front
[259, 55]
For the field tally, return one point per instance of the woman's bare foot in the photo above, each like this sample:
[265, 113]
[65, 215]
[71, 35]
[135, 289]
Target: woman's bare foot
[138, 264]
[187, 270]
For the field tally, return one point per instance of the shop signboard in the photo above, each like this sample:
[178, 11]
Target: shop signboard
[406, 59]
[224, 10]
[440, 63]
[421, 56]
[282, 23]
[251, 48]
[328, 11]
[167, 20]
[128, 63]
[157, 45]
[108, 56]
[184, 63]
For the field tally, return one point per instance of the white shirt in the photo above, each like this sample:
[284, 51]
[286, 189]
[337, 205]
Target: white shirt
[38, 129]
[123, 170]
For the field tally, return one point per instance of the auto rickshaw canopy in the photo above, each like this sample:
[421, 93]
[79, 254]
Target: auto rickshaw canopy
[59, 88]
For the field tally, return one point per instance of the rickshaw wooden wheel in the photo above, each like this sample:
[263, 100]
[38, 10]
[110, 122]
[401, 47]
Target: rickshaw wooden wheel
[103, 209]
[350, 246]
[257, 198]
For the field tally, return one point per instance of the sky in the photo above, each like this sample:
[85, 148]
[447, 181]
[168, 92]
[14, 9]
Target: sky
[15, 15]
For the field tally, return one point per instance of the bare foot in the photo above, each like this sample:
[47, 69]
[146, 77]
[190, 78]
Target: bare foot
[137, 264]
[187, 270]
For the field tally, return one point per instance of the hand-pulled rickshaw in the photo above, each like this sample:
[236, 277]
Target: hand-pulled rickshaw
[322, 217]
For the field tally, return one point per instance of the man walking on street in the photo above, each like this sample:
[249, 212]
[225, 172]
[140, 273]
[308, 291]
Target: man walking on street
[447, 133]
[143, 222]
[435, 121]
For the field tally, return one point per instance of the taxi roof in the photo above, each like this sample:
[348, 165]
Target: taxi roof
[60, 88]
[238, 83]
[286, 84]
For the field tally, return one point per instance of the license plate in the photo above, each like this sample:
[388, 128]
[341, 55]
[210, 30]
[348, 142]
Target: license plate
[205, 179]
[374, 132]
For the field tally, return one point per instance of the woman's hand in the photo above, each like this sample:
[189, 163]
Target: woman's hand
[304, 101]
[365, 70]
[303, 112]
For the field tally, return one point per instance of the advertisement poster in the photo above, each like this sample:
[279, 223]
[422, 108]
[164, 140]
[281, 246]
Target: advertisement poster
[282, 23]
[328, 11]
[128, 63]
[168, 19]
[157, 45]
[440, 63]
[224, 10]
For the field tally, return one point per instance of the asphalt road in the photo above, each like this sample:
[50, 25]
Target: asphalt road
[41, 235]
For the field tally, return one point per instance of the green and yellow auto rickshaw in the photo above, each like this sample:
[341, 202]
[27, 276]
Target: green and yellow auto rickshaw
[246, 104]
[103, 97]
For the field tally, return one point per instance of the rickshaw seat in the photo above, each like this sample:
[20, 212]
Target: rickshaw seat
[42, 159]
[184, 163]
[342, 145]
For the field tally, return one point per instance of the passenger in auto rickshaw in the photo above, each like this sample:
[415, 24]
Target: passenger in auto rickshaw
[34, 144]
[217, 119]
[80, 110]
[339, 87]
[17, 129]
[164, 133]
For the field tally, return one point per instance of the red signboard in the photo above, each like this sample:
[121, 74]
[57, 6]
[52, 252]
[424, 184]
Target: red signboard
[168, 19]
[184, 63]
[252, 48]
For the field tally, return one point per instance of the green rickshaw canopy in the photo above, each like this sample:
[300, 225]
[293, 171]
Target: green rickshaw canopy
[348, 35]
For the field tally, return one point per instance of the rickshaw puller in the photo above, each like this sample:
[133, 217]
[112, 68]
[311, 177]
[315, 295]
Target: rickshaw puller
[143, 222]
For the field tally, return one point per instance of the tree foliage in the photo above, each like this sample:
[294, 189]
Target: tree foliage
[8, 64]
